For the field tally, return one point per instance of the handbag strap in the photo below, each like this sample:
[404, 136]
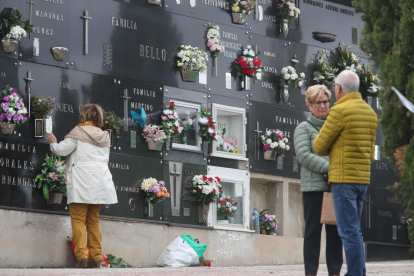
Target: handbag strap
[312, 124]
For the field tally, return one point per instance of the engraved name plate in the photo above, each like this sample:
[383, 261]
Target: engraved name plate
[107, 56]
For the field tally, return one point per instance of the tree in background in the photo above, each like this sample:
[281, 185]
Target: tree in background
[388, 36]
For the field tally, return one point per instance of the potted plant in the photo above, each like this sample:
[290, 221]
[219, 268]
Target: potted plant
[274, 144]
[13, 110]
[289, 12]
[154, 190]
[154, 136]
[52, 180]
[240, 10]
[248, 67]
[170, 124]
[268, 223]
[13, 29]
[191, 61]
[214, 45]
[324, 73]
[206, 128]
[226, 209]
[41, 109]
[206, 189]
[290, 76]
[112, 124]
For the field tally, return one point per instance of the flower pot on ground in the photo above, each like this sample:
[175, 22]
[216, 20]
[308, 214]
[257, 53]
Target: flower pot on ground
[9, 45]
[268, 223]
[190, 76]
[239, 18]
[12, 110]
[55, 198]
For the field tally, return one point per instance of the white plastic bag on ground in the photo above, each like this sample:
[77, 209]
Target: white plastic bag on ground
[177, 254]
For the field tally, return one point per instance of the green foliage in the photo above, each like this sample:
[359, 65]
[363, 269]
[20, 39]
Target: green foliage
[116, 262]
[11, 18]
[42, 107]
[111, 121]
[324, 74]
[387, 36]
[53, 176]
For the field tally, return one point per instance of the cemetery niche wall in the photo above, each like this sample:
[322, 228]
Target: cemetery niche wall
[123, 54]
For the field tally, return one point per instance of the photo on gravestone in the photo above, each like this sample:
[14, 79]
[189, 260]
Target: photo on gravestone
[135, 96]
[50, 37]
[264, 118]
[182, 208]
[128, 173]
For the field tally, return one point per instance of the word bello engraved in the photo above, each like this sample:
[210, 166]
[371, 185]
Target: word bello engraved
[124, 23]
[49, 15]
[64, 107]
[68, 85]
[148, 52]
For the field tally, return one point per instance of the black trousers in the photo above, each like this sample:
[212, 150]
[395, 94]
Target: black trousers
[312, 206]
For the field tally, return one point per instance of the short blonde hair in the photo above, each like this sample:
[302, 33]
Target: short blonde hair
[92, 112]
[316, 90]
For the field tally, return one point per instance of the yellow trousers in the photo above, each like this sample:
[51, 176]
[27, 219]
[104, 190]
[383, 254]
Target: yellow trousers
[86, 215]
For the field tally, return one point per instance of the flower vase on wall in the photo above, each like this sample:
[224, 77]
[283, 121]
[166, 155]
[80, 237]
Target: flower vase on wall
[7, 128]
[239, 18]
[285, 93]
[285, 27]
[203, 213]
[9, 45]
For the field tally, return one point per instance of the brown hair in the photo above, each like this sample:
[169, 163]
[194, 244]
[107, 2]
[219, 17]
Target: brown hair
[316, 90]
[92, 112]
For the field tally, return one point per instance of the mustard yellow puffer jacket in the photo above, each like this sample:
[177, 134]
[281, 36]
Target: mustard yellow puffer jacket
[348, 137]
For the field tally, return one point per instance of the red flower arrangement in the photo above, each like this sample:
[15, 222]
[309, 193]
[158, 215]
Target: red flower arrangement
[248, 65]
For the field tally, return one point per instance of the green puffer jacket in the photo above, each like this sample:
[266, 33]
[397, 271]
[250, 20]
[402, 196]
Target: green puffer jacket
[313, 164]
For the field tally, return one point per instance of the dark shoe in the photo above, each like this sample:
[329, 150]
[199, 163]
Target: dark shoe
[91, 264]
[99, 263]
[81, 263]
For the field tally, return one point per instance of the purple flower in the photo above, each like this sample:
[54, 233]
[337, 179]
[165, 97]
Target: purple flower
[266, 147]
[8, 116]
[261, 212]
[5, 106]
[263, 137]
[292, 1]
[279, 6]
[162, 184]
[7, 98]
[18, 106]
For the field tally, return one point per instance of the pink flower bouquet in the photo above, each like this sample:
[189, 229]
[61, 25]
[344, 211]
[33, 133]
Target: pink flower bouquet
[13, 109]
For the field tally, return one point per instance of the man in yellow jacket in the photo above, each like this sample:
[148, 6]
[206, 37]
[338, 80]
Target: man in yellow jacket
[348, 137]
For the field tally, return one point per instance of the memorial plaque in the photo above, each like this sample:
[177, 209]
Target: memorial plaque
[128, 172]
[132, 96]
[265, 117]
[52, 27]
[383, 218]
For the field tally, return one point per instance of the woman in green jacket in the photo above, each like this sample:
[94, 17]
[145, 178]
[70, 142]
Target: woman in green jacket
[313, 178]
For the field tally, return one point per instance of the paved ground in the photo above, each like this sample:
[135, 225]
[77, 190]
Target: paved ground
[401, 268]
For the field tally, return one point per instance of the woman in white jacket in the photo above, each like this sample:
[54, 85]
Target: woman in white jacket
[89, 181]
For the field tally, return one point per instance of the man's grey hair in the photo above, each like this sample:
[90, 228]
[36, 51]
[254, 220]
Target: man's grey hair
[349, 81]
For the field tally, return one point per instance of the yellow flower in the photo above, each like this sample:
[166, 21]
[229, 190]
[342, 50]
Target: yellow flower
[182, 46]
[235, 8]
[236, 151]
[147, 183]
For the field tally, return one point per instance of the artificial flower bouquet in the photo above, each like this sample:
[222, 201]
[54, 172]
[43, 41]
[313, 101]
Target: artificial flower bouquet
[268, 223]
[154, 190]
[240, 9]
[346, 59]
[53, 176]
[324, 74]
[290, 76]
[274, 144]
[13, 110]
[226, 207]
[14, 26]
[227, 144]
[248, 65]
[190, 61]
[206, 125]
[111, 121]
[42, 107]
[213, 42]
[369, 84]
[154, 136]
[206, 188]
[171, 122]
[288, 9]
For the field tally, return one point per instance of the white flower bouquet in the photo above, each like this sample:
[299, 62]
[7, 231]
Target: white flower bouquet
[191, 59]
[14, 26]
[288, 8]
[206, 188]
[290, 76]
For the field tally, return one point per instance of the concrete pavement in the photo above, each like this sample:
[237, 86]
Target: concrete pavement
[400, 268]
